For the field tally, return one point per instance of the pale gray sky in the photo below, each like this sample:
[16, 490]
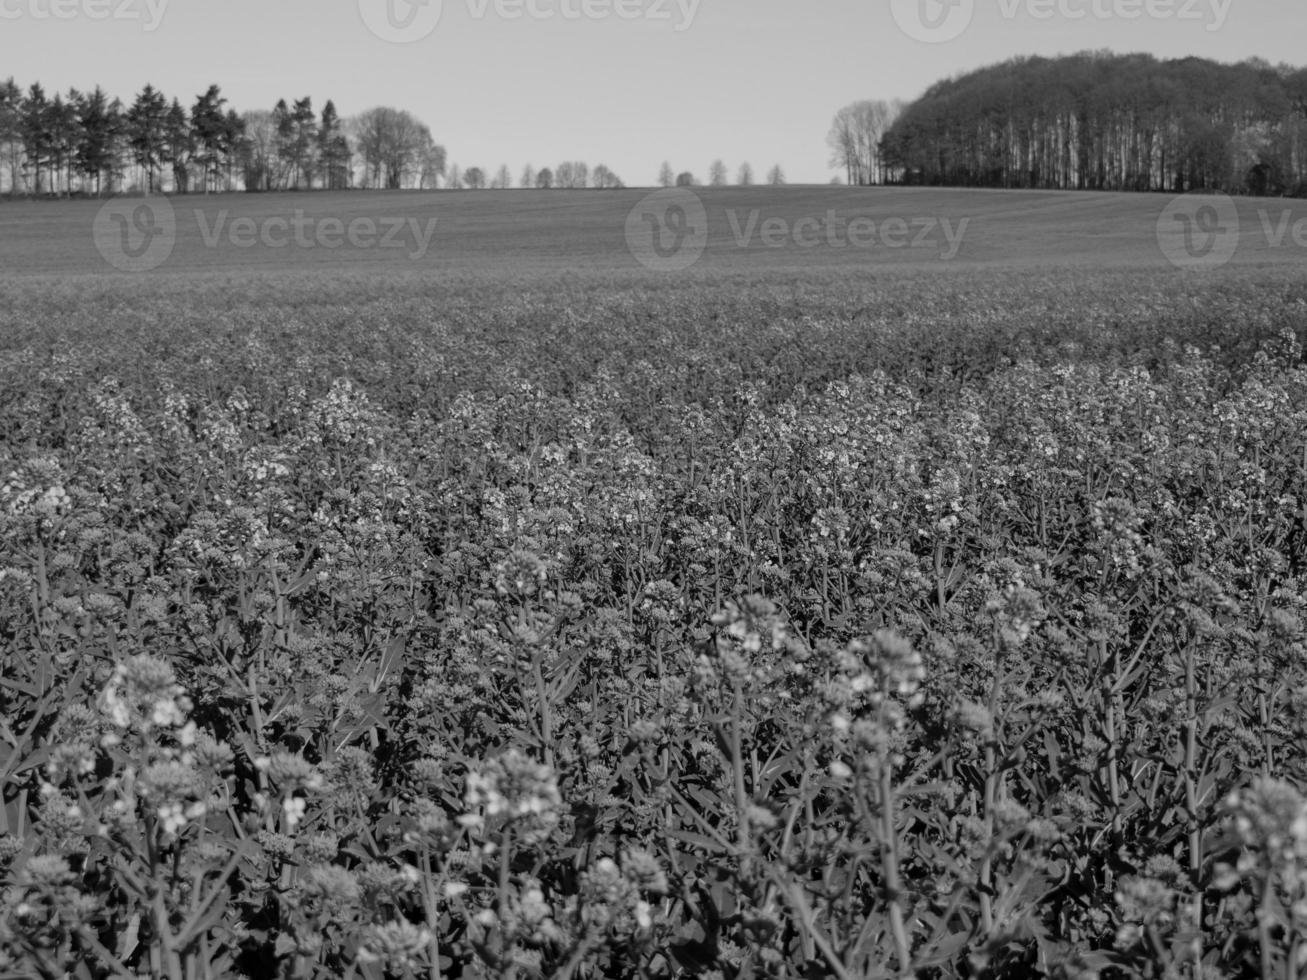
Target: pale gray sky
[627, 83]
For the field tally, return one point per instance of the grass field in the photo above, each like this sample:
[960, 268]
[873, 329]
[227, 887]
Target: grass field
[518, 610]
[524, 233]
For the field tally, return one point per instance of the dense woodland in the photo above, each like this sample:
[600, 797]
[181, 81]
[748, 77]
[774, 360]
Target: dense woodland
[1098, 121]
[91, 143]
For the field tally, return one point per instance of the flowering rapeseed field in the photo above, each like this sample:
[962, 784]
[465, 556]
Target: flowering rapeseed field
[840, 627]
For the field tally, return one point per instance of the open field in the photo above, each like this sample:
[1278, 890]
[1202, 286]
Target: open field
[518, 611]
[510, 234]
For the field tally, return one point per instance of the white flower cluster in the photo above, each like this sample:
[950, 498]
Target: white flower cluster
[36, 491]
[518, 790]
[142, 703]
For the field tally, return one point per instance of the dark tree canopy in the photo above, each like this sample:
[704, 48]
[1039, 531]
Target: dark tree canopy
[91, 143]
[1098, 121]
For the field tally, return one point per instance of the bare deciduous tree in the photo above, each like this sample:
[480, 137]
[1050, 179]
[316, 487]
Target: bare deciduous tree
[258, 156]
[11, 142]
[854, 139]
[605, 178]
[433, 166]
[572, 174]
[393, 145]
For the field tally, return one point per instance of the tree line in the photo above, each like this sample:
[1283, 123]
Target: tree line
[568, 175]
[575, 174]
[1101, 121]
[91, 143]
[718, 176]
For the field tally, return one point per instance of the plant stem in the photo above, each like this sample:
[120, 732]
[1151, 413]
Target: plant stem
[889, 855]
[1191, 797]
[1107, 663]
[986, 874]
[432, 910]
[742, 800]
[546, 709]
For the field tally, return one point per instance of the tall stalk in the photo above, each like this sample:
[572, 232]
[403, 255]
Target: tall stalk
[1108, 685]
[889, 857]
[985, 877]
[1191, 798]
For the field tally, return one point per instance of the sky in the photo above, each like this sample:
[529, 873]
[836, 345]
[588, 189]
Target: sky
[626, 83]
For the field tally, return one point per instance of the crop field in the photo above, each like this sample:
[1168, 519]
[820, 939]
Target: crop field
[510, 234]
[514, 610]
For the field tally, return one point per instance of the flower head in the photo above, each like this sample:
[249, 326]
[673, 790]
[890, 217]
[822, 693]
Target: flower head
[519, 790]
